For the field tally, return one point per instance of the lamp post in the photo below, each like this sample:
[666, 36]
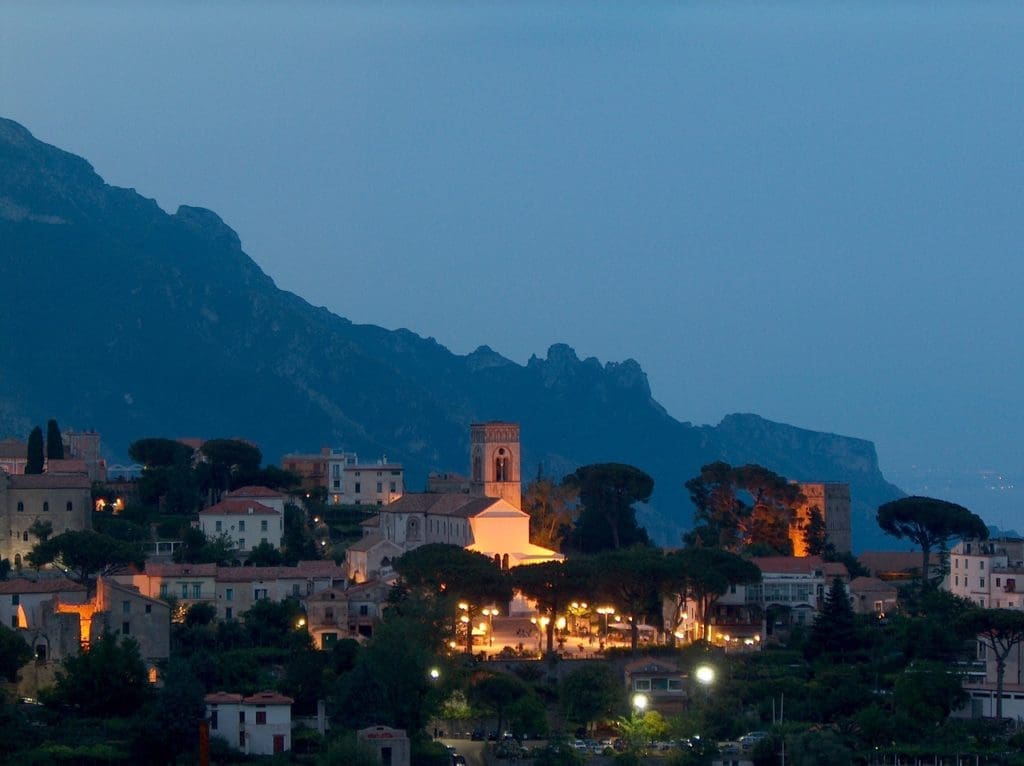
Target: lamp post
[489, 612]
[604, 611]
[705, 675]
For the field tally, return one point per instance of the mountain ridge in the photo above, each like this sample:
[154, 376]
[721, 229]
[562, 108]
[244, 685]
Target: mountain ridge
[162, 325]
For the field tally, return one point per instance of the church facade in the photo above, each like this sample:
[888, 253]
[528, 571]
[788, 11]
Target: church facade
[489, 519]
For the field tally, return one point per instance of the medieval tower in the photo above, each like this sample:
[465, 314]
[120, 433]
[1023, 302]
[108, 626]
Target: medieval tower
[494, 461]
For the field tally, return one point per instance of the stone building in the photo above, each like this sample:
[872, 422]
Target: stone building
[64, 500]
[260, 724]
[832, 499]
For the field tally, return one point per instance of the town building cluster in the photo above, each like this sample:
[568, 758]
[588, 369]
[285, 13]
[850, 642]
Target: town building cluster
[480, 512]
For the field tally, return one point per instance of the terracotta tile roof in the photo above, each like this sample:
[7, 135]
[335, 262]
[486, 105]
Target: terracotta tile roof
[239, 508]
[268, 698]
[871, 585]
[453, 504]
[836, 569]
[222, 698]
[321, 568]
[50, 481]
[878, 562]
[373, 521]
[181, 570]
[369, 542]
[257, 574]
[789, 564]
[254, 491]
[66, 466]
[57, 585]
[13, 448]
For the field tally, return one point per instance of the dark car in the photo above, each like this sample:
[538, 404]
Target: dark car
[458, 760]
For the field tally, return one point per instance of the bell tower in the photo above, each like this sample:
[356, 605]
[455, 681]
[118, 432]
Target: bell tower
[494, 461]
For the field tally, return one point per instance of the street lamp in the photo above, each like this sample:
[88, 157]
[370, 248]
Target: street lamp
[640, 702]
[705, 675]
[489, 612]
[604, 611]
[434, 674]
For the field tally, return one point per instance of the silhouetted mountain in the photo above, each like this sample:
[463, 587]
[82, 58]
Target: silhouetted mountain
[120, 317]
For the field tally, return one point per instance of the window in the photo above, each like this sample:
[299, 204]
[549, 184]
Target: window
[125, 629]
[241, 734]
[227, 613]
[184, 590]
[261, 716]
[149, 608]
[981, 565]
[358, 488]
[69, 507]
[241, 716]
[46, 506]
[15, 599]
[241, 525]
[956, 579]
[241, 543]
[21, 506]
[163, 590]
[24, 536]
[364, 610]
[218, 526]
[197, 590]
[213, 719]
[675, 685]
[263, 525]
[981, 582]
[260, 593]
[126, 607]
[329, 613]
[380, 486]
[295, 589]
[229, 594]
[393, 487]
[641, 684]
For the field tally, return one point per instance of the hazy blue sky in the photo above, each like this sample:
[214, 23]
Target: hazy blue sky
[811, 211]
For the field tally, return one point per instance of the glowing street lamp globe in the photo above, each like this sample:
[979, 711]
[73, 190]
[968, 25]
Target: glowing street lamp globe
[705, 674]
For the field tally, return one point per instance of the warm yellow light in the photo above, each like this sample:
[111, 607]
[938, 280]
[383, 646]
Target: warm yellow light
[463, 605]
[640, 701]
[464, 618]
[705, 674]
[560, 624]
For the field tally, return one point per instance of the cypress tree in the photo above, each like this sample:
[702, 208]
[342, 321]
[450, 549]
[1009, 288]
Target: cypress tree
[54, 442]
[35, 451]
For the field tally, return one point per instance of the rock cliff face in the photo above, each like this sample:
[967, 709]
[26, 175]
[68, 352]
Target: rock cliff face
[120, 317]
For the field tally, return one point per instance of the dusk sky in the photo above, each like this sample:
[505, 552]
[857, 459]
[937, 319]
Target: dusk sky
[810, 211]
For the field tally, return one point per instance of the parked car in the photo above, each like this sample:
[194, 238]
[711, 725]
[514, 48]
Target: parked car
[749, 740]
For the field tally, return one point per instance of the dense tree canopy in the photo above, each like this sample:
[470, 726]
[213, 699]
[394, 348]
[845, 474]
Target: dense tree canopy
[54, 442]
[84, 555]
[709, 573]
[456, 575]
[553, 584]
[740, 507]
[36, 452]
[1001, 630]
[109, 679]
[608, 493]
[552, 509]
[930, 523]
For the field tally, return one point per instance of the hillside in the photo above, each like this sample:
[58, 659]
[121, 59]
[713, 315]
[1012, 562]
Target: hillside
[119, 317]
